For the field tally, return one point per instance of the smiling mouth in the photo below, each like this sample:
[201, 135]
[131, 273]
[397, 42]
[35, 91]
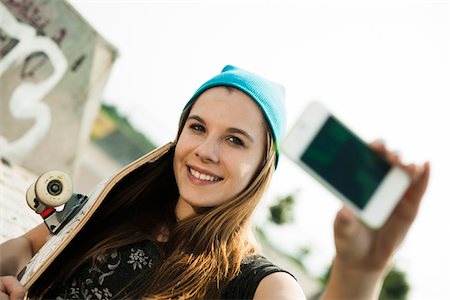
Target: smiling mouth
[201, 176]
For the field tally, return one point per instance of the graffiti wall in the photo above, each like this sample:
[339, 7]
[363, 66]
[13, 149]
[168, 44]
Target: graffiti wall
[53, 67]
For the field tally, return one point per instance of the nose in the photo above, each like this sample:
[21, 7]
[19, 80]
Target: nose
[208, 150]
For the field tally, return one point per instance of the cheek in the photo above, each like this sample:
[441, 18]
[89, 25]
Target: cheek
[252, 165]
[246, 171]
[182, 145]
[180, 151]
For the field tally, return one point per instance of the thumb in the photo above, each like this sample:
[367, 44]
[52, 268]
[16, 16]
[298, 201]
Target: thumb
[12, 287]
[345, 224]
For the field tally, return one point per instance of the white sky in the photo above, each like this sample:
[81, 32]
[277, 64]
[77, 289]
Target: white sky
[381, 66]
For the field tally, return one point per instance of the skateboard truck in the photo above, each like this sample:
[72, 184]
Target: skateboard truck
[54, 189]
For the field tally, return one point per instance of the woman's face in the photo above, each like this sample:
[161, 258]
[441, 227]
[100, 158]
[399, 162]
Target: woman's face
[220, 147]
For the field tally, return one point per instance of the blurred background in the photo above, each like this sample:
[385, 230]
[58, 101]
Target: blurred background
[115, 75]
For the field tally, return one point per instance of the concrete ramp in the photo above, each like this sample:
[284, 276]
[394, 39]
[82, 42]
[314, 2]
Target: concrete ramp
[53, 68]
[15, 216]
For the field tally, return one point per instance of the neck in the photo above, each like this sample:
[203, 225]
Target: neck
[183, 209]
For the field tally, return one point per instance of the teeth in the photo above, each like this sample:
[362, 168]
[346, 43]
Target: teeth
[200, 176]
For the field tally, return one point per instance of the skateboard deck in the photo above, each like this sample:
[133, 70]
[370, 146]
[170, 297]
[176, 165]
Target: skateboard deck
[57, 243]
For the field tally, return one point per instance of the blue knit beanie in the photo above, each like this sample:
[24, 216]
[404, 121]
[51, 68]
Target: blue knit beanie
[268, 95]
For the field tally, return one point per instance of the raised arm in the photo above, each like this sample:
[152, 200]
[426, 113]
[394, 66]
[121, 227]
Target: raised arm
[363, 255]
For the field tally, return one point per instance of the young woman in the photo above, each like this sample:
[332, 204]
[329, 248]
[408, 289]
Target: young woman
[186, 233]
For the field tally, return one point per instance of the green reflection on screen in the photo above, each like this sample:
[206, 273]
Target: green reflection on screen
[343, 160]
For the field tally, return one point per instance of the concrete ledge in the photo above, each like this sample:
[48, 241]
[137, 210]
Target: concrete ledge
[15, 216]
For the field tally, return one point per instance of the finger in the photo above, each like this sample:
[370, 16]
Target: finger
[408, 207]
[411, 169]
[378, 146]
[380, 142]
[344, 224]
[417, 189]
[4, 296]
[13, 287]
[392, 157]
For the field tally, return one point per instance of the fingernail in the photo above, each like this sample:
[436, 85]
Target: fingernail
[380, 141]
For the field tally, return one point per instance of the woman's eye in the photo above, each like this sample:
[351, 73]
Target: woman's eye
[197, 127]
[236, 141]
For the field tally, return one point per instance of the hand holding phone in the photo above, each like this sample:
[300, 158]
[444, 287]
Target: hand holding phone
[343, 163]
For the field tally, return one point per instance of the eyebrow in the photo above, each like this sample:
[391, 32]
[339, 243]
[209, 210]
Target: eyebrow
[231, 129]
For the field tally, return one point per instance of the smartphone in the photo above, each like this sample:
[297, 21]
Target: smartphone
[344, 164]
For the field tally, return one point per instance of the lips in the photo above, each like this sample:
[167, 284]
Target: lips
[203, 175]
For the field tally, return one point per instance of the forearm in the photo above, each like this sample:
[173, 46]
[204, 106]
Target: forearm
[14, 255]
[347, 283]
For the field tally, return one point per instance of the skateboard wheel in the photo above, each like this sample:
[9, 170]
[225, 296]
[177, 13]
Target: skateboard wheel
[31, 197]
[53, 188]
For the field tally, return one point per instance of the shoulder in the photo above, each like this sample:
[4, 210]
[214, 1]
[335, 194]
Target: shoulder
[279, 285]
[259, 278]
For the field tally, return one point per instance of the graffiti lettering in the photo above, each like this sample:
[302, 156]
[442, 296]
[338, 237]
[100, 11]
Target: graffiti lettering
[78, 63]
[30, 11]
[59, 36]
[10, 43]
[32, 63]
[27, 98]
[3, 36]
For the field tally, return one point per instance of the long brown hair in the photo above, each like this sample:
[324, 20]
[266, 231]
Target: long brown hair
[206, 249]
[203, 252]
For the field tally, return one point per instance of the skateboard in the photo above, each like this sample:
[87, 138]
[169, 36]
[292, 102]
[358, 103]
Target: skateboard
[50, 192]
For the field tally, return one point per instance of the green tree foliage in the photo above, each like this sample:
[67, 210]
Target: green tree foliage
[283, 211]
[395, 286]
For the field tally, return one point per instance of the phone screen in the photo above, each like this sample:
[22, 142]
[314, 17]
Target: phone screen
[345, 162]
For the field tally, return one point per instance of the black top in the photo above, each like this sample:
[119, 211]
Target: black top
[108, 274]
[253, 270]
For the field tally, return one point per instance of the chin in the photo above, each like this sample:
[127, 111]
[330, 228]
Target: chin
[199, 201]
[199, 204]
